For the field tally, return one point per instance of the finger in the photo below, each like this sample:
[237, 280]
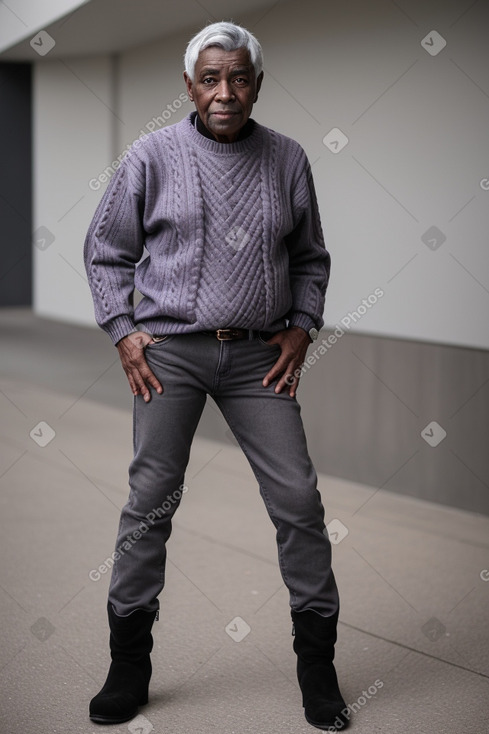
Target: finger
[293, 388]
[142, 376]
[145, 392]
[287, 382]
[289, 379]
[277, 369]
[144, 382]
[154, 382]
[135, 381]
[132, 384]
[149, 377]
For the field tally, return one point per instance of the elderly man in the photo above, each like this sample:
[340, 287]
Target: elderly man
[233, 291]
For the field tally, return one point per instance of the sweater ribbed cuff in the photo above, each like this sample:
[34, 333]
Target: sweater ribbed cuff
[120, 327]
[303, 320]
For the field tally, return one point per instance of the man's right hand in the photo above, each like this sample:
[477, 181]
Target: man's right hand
[140, 376]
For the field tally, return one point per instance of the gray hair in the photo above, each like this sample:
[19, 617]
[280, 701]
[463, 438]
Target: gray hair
[228, 36]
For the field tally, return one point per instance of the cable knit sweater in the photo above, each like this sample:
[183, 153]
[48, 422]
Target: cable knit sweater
[230, 233]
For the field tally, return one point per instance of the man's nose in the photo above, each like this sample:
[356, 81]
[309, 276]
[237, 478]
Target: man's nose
[225, 91]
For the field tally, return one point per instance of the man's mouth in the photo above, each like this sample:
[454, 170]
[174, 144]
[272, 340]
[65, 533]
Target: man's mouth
[224, 113]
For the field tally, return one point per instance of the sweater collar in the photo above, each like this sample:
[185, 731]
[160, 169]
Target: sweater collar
[245, 131]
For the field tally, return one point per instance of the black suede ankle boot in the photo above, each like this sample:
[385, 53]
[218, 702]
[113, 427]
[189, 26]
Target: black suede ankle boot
[314, 642]
[126, 687]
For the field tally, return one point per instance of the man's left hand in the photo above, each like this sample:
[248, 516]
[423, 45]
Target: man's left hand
[294, 343]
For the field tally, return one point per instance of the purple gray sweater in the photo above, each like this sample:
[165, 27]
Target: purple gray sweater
[212, 235]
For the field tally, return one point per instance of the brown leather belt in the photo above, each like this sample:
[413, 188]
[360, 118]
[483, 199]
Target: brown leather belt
[227, 335]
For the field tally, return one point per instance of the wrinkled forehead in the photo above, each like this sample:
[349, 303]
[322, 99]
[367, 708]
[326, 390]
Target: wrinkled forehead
[215, 58]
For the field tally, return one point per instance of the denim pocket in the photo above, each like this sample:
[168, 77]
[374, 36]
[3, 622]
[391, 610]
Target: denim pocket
[159, 340]
[263, 337]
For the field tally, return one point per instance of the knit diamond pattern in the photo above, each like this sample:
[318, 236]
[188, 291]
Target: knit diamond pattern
[232, 194]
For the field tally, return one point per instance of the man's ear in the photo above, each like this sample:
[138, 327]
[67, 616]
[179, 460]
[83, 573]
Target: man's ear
[259, 80]
[188, 83]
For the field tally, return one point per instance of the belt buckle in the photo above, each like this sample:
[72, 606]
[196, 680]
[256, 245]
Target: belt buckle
[225, 335]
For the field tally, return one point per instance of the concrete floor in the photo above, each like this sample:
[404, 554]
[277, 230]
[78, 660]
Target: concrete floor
[412, 654]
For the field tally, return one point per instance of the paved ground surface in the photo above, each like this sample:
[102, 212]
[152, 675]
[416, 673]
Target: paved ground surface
[412, 655]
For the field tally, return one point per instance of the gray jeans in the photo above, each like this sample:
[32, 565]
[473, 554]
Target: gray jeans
[269, 429]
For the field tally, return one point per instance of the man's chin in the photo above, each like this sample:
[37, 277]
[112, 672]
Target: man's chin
[225, 125]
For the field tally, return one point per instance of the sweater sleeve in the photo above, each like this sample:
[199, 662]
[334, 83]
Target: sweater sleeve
[113, 246]
[309, 261]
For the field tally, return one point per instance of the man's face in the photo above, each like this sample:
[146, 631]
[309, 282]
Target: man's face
[224, 90]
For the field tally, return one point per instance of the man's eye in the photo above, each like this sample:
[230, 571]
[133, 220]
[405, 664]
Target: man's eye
[208, 80]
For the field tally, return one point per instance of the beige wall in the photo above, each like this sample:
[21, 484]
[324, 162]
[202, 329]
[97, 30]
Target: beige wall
[72, 142]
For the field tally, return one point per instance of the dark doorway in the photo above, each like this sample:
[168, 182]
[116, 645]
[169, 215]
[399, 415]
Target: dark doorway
[15, 185]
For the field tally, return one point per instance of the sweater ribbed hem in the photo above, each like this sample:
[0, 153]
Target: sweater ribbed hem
[167, 327]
